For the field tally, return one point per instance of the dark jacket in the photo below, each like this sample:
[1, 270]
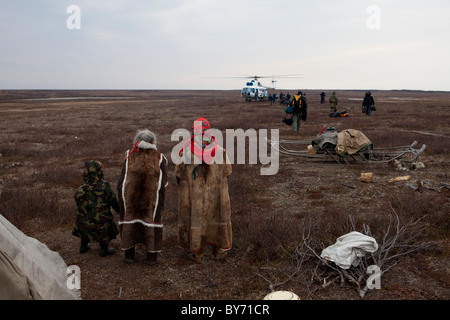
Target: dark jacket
[299, 105]
[368, 100]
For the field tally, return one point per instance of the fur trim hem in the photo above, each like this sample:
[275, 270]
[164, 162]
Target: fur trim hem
[147, 224]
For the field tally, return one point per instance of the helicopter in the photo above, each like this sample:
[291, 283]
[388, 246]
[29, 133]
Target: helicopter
[254, 90]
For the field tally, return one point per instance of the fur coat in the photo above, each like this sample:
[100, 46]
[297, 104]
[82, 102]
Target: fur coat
[204, 211]
[141, 189]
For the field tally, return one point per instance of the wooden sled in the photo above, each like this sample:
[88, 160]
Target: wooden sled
[367, 154]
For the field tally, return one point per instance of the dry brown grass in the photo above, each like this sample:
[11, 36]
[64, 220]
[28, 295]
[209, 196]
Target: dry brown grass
[44, 144]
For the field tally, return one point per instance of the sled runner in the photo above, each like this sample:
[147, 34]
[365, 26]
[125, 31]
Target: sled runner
[346, 147]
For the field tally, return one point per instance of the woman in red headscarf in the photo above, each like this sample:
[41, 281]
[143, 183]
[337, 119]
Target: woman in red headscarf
[202, 144]
[204, 204]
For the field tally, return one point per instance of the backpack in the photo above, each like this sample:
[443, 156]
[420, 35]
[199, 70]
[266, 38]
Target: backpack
[288, 120]
[296, 103]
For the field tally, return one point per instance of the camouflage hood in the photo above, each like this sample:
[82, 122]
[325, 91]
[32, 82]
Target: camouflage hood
[92, 172]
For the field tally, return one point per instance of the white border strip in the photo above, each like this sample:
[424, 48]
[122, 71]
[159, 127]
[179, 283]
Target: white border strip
[124, 181]
[159, 187]
[147, 224]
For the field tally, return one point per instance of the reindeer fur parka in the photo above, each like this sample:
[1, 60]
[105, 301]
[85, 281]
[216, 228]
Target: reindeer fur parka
[204, 211]
[141, 189]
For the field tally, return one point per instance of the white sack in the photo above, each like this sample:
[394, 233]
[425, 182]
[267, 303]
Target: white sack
[349, 248]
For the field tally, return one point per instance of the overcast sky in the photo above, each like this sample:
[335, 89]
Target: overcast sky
[191, 44]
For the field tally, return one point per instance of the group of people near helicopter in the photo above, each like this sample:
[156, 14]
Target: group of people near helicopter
[296, 108]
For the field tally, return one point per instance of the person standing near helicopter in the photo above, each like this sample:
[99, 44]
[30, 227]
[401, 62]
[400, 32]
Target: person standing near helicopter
[299, 107]
[333, 102]
[368, 103]
[322, 97]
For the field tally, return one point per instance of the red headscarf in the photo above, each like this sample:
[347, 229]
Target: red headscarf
[202, 143]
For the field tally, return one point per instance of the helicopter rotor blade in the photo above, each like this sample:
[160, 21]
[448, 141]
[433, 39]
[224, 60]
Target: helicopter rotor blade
[288, 76]
[257, 77]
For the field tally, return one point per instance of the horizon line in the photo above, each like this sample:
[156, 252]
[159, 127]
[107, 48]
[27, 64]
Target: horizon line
[276, 89]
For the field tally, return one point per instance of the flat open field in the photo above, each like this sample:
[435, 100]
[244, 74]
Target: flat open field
[45, 137]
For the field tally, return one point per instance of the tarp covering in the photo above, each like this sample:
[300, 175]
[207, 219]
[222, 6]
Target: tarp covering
[45, 269]
[324, 139]
[350, 141]
[14, 284]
